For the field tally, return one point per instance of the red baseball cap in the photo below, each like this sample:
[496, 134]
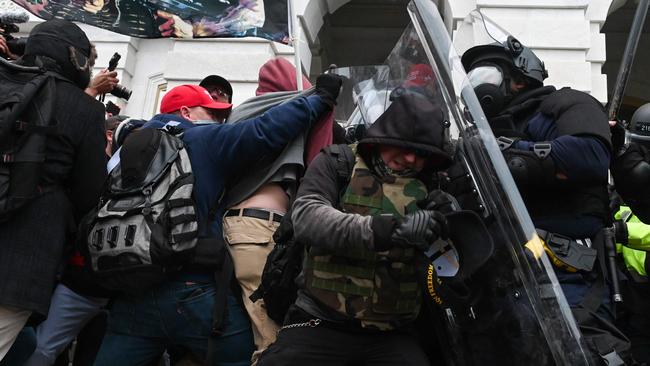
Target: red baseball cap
[419, 75]
[189, 96]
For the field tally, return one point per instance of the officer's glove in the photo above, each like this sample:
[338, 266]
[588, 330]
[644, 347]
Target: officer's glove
[620, 232]
[328, 87]
[460, 185]
[439, 200]
[618, 137]
[419, 229]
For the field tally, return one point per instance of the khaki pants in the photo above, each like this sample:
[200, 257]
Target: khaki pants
[12, 320]
[250, 242]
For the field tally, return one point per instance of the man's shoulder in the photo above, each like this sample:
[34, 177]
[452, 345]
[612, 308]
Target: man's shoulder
[339, 159]
[75, 100]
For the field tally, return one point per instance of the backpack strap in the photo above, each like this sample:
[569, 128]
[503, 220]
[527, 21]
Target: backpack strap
[223, 276]
[344, 162]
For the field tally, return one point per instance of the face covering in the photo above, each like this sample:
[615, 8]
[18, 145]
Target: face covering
[380, 167]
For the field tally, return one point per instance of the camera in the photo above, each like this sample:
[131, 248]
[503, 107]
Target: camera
[8, 26]
[119, 90]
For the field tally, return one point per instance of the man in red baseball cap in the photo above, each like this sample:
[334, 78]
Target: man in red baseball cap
[217, 153]
[194, 103]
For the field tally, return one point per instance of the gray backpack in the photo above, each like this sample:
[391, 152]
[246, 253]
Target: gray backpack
[146, 223]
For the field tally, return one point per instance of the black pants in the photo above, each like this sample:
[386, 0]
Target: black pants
[325, 346]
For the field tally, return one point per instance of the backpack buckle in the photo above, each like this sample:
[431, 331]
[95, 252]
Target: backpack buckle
[504, 143]
[542, 149]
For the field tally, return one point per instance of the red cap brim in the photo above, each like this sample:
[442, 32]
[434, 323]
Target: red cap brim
[217, 105]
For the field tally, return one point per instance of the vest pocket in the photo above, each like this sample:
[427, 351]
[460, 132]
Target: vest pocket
[395, 290]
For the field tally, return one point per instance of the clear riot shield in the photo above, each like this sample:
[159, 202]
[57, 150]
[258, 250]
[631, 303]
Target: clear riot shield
[512, 310]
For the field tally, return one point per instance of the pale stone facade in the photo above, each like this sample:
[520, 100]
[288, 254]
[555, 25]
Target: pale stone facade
[564, 33]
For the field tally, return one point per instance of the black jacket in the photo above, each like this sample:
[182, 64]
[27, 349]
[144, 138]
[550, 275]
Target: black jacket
[33, 242]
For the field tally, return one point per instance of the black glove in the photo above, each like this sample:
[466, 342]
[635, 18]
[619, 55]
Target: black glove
[618, 138]
[419, 230]
[461, 186]
[439, 200]
[620, 232]
[328, 87]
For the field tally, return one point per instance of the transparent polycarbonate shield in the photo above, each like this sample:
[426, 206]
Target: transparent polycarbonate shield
[364, 95]
[513, 310]
[476, 29]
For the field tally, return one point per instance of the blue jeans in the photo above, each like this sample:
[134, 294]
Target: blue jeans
[176, 314]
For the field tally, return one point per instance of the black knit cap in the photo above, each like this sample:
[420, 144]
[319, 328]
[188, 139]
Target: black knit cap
[413, 122]
[216, 80]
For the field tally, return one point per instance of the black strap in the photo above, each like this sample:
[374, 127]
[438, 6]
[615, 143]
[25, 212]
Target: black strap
[183, 237]
[254, 213]
[33, 128]
[594, 296]
[23, 158]
[180, 202]
[345, 160]
[212, 212]
[181, 219]
[223, 276]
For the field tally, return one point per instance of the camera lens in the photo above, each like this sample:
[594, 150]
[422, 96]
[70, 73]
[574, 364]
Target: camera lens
[121, 91]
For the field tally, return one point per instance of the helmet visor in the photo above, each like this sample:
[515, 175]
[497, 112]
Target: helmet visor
[485, 75]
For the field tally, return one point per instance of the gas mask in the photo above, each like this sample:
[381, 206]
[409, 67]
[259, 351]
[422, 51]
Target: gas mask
[492, 87]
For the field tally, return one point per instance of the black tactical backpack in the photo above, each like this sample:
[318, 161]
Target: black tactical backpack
[278, 287]
[27, 97]
[146, 223]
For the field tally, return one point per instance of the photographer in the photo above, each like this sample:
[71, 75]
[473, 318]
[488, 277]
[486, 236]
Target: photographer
[11, 48]
[102, 83]
[5, 51]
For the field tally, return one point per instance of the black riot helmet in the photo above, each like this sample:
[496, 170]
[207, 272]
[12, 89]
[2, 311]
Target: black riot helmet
[511, 52]
[492, 67]
[640, 125]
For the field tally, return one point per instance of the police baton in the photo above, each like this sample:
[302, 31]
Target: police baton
[610, 252]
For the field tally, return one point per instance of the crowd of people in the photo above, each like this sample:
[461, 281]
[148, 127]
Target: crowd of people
[144, 242]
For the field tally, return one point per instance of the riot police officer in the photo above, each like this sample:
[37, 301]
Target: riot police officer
[631, 165]
[631, 171]
[557, 145]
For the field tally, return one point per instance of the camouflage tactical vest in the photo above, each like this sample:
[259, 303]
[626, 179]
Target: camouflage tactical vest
[377, 288]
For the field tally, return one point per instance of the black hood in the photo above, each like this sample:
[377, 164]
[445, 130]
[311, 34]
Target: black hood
[64, 43]
[412, 121]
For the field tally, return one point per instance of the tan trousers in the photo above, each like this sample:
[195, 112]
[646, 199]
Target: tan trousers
[250, 242]
[12, 320]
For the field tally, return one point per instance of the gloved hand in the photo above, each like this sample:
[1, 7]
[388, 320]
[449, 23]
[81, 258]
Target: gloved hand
[460, 185]
[439, 200]
[328, 87]
[617, 129]
[620, 232]
[419, 229]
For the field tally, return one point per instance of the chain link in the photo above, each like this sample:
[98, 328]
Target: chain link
[312, 323]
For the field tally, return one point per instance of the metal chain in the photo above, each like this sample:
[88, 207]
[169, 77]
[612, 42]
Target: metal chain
[312, 323]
